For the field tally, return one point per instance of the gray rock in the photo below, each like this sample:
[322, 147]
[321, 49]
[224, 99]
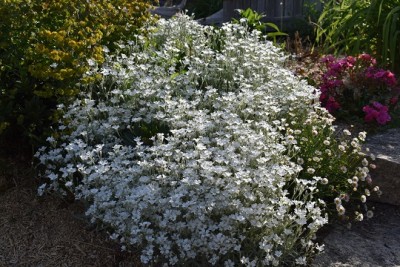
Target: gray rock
[371, 243]
[386, 148]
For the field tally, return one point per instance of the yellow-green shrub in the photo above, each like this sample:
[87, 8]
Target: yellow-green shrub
[45, 48]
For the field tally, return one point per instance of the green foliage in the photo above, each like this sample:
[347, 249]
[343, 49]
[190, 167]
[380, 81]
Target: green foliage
[254, 21]
[362, 26]
[310, 10]
[47, 46]
[391, 37]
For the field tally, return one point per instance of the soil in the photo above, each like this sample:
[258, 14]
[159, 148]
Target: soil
[46, 231]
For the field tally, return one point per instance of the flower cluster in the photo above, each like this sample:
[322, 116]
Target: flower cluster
[377, 112]
[197, 145]
[329, 157]
[351, 85]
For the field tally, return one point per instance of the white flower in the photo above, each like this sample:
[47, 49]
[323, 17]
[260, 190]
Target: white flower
[372, 166]
[341, 210]
[189, 145]
[362, 136]
[301, 261]
[370, 214]
[365, 162]
[91, 62]
[363, 198]
[346, 132]
[367, 192]
[324, 181]
[310, 170]
[343, 169]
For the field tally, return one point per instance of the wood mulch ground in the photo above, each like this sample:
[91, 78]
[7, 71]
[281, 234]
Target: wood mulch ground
[45, 231]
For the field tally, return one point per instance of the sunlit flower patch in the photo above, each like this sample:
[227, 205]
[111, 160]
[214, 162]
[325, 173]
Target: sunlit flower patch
[199, 147]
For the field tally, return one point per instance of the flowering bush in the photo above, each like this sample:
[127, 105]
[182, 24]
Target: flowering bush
[351, 85]
[198, 146]
[45, 48]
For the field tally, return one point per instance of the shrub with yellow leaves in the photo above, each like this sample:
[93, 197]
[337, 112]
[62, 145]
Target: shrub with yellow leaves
[47, 46]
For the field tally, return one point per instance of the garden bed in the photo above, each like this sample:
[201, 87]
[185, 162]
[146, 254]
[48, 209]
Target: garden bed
[216, 155]
[49, 232]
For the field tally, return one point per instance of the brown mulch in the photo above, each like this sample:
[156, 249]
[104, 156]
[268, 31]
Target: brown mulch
[46, 231]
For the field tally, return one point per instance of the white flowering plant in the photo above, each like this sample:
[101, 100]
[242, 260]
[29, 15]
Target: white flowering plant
[198, 147]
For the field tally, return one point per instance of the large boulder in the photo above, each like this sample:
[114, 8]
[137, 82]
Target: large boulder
[371, 243]
[386, 148]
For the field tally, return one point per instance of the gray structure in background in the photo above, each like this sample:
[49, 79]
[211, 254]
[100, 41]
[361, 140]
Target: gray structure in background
[273, 9]
[285, 13]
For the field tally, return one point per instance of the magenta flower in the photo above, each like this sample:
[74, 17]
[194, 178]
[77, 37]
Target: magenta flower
[383, 117]
[348, 82]
[367, 58]
[390, 79]
[332, 105]
[393, 101]
[377, 112]
[370, 113]
[381, 76]
[328, 58]
[377, 105]
[351, 61]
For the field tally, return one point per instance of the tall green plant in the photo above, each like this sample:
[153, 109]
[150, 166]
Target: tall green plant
[361, 26]
[254, 21]
[391, 37]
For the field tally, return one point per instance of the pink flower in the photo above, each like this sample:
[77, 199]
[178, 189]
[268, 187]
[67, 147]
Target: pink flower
[390, 79]
[383, 117]
[378, 106]
[338, 66]
[351, 60]
[360, 76]
[378, 112]
[332, 105]
[328, 59]
[393, 101]
[367, 58]
[379, 74]
[370, 115]
[369, 73]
